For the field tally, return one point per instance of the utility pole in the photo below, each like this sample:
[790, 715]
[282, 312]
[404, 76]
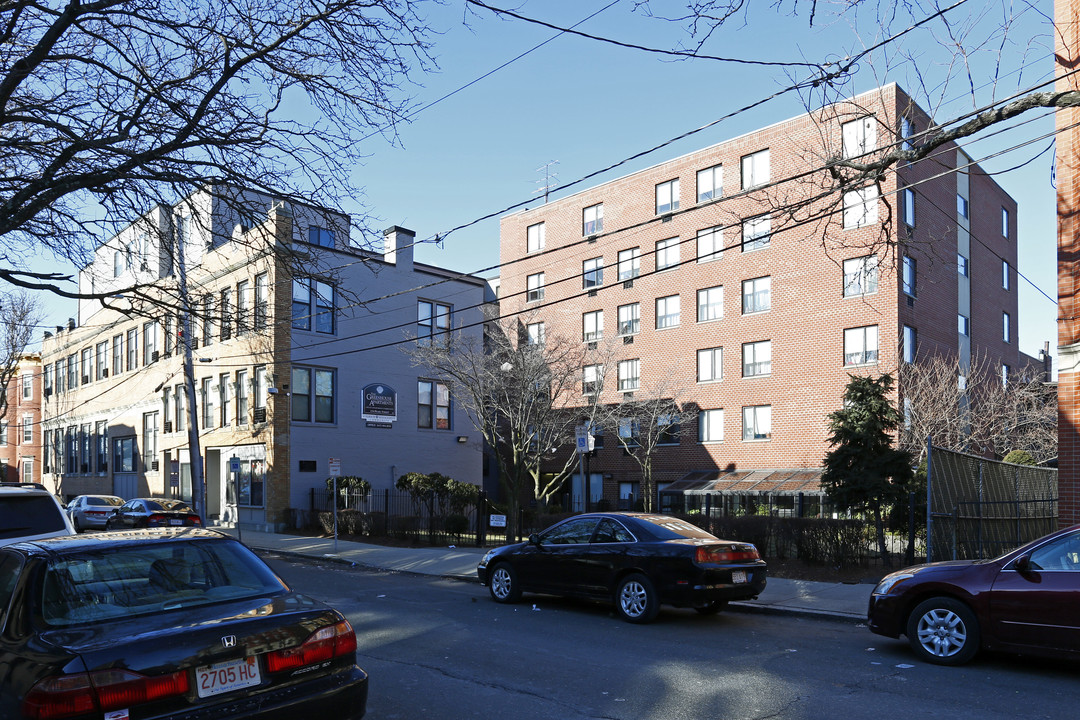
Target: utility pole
[198, 484]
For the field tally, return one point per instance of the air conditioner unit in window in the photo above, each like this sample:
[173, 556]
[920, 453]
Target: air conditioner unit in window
[167, 427]
[627, 396]
[154, 465]
[85, 379]
[259, 414]
[155, 356]
[105, 373]
[591, 346]
[628, 284]
[48, 392]
[84, 468]
[628, 340]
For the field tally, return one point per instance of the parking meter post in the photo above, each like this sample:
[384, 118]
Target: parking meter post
[335, 515]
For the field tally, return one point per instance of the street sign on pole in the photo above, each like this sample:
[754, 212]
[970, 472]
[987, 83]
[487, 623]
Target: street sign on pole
[335, 467]
[581, 432]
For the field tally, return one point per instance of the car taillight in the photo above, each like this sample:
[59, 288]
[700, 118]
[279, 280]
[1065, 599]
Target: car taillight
[155, 519]
[330, 642]
[95, 513]
[99, 692]
[716, 555]
[195, 519]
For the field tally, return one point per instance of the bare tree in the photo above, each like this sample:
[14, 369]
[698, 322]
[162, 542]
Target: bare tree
[644, 422]
[523, 394]
[108, 108]
[20, 314]
[976, 409]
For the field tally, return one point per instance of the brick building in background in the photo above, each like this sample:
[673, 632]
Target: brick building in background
[696, 280]
[1067, 40]
[20, 428]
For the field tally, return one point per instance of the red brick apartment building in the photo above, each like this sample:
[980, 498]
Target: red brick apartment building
[705, 280]
[20, 428]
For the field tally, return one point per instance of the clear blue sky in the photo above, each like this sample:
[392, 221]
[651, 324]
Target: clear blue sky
[588, 105]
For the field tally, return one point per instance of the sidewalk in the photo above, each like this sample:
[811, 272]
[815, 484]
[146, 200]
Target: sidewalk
[835, 600]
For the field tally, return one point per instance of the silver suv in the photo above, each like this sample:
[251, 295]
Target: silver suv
[27, 513]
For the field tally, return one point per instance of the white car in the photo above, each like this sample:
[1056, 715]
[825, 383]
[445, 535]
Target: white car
[27, 513]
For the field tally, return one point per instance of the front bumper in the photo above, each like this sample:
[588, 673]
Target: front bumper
[883, 616]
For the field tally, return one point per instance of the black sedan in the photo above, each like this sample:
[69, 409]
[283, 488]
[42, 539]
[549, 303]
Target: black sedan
[165, 624]
[152, 512]
[635, 560]
[1022, 602]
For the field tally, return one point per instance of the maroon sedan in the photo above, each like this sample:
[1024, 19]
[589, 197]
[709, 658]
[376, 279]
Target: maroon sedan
[1022, 602]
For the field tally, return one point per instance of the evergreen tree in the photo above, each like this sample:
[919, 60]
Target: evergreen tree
[864, 471]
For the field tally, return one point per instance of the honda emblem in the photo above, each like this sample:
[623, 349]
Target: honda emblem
[229, 641]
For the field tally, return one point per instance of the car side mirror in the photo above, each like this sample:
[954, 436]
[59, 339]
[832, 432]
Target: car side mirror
[534, 539]
[1022, 563]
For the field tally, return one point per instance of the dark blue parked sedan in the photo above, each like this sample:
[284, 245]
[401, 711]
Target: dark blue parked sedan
[636, 560]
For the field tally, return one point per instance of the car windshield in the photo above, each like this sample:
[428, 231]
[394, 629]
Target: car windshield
[91, 585]
[168, 505]
[22, 515]
[104, 501]
[671, 528]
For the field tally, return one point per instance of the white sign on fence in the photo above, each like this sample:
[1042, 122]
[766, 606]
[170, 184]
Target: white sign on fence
[497, 521]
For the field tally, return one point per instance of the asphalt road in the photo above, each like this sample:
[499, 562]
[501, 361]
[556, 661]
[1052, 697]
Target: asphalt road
[442, 649]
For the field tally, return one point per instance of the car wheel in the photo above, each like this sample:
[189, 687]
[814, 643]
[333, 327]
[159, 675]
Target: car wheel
[943, 631]
[503, 584]
[75, 523]
[712, 607]
[635, 599]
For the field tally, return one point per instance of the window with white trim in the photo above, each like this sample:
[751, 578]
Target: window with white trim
[859, 137]
[907, 276]
[1005, 222]
[313, 305]
[630, 319]
[592, 273]
[710, 364]
[592, 219]
[536, 236]
[667, 312]
[1005, 275]
[667, 253]
[1006, 327]
[667, 196]
[592, 326]
[961, 265]
[755, 169]
[861, 207]
[756, 295]
[433, 405]
[629, 264]
[534, 287]
[592, 379]
[963, 324]
[755, 233]
[908, 201]
[710, 244]
[757, 422]
[314, 393]
[711, 425]
[535, 333]
[432, 322]
[910, 343]
[710, 303]
[861, 276]
[710, 183]
[629, 375]
[861, 345]
[961, 205]
[757, 358]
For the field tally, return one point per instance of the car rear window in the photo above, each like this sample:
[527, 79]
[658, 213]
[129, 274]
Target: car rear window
[671, 528]
[103, 501]
[168, 505]
[22, 515]
[91, 585]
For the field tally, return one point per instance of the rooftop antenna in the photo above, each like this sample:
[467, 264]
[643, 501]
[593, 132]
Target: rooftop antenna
[549, 182]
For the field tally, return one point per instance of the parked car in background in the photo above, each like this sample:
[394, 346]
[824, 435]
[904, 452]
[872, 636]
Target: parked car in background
[1025, 601]
[636, 560]
[171, 623]
[92, 511]
[27, 513]
[152, 512]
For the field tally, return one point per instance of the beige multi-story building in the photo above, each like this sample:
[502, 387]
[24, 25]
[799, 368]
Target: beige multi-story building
[728, 279]
[294, 338]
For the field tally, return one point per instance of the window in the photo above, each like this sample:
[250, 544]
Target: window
[592, 326]
[225, 319]
[859, 137]
[535, 333]
[592, 219]
[710, 426]
[206, 403]
[961, 265]
[629, 264]
[101, 364]
[258, 401]
[757, 422]
[313, 395]
[755, 233]
[535, 237]
[179, 408]
[118, 263]
[123, 455]
[963, 325]
[313, 305]
[242, 321]
[1005, 279]
[757, 358]
[535, 284]
[710, 303]
[667, 253]
[629, 375]
[755, 169]
[1005, 222]
[87, 357]
[860, 276]
[320, 236]
[710, 183]
[1005, 375]
[1006, 327]
[710, 244]
[27, 429]
[27, 465]
[432, 322]
[667, 196]
[3, 433]
[243, 395]
[592, 379]
[150, 333]
[861, 207]
[908, 199]
[592, 273]
[861, 345]
[961, 205]
[101, 440]
[910, 343]
[907, 276]
[132, 349]
[668, 430]
[47, 379]
[208, 319]
[28, 383]
[223, 399]
[629, 432]
[149, 439]
[906, 131]
[433, 405]
[73, 366]
[86, 448]
[667, 312]
[61, 374]
[630, 319]
[262, 300]
[756, 295]
[710, 364]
